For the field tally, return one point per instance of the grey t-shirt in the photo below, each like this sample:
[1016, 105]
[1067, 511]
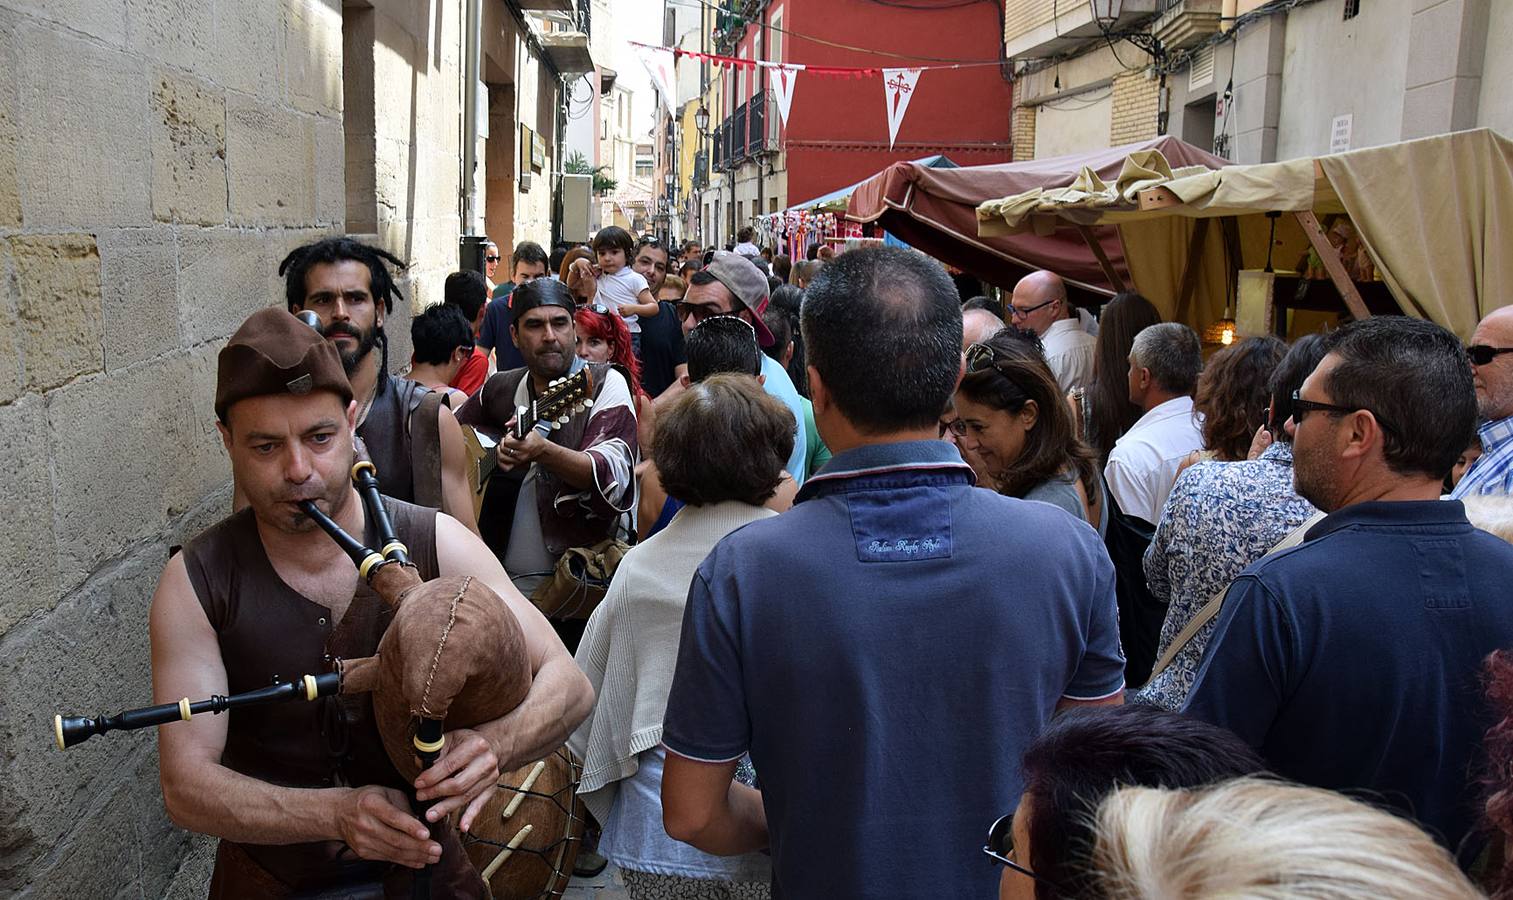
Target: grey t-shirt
[1062, 491]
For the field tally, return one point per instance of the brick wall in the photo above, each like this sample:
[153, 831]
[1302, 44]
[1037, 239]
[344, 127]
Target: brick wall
[1022, 132]
[1135, 106]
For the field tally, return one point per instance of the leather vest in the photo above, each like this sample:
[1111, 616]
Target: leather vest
[268, 633]
[386, 433]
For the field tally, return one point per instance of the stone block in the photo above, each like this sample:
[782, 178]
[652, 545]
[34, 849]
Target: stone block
[188, 150]
[88, 656]
[10, 188]
[249, 47]
[191, 881]
[12, 376]
[84, 157]
[313, 66]
[124, 847]
[270, 164]
[150, 428]
[181, 33]
[139, 286]
[330, 172]
[225, 275]
[27, 552]
[104, 20]
[58, 307]
[1435, 45]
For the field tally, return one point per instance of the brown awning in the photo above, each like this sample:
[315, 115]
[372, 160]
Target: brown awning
[935, 210]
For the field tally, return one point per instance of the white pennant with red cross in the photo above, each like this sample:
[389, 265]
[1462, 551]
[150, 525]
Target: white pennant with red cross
[898, 87]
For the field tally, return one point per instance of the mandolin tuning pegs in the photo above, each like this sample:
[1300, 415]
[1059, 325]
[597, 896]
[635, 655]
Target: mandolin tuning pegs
[556, 426]
[562, 420]
[587, 402]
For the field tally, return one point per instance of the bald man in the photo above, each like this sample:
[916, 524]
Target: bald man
[977, 325]
[1040, 305]
[1491, 354]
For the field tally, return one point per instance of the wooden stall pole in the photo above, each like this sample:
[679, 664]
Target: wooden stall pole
[1190, 270]
[1333, 264]
[1108, 268]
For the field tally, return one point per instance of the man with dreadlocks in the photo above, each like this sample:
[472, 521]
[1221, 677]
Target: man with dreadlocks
[410, 434]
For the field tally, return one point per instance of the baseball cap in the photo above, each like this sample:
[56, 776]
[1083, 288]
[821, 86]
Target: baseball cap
[275, 353]
[747, 283]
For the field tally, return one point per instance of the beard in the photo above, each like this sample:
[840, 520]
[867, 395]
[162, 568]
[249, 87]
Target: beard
[1311, 478]
[366, 341]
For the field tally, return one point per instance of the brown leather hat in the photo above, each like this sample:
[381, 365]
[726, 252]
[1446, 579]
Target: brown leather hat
[275, 353]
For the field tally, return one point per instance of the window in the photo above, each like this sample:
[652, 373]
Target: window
[1352, 9]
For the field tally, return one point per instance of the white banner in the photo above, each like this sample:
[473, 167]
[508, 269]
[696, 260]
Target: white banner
[659, 64]
[898, 87]
[782, 89]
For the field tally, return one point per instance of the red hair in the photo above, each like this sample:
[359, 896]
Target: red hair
[611, 329]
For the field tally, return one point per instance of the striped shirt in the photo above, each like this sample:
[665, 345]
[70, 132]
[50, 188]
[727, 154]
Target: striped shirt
[1493, 472]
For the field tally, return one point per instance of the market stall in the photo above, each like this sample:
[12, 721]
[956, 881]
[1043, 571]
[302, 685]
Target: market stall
[935, 211]
[1420, 227]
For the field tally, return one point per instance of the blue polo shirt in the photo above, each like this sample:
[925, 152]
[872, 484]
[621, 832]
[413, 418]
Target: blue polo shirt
[1352, 661]
[886, 654]
[494, 334]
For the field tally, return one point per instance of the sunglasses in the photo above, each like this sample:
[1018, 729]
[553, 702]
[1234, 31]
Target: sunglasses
[701, 312]
[1482, 355]
[598, 308]
[1000, 847]
[980, 357]
[491, 259]
[1301, 408]
[1016, 312]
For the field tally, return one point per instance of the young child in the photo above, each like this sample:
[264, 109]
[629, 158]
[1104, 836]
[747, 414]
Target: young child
[620, 288]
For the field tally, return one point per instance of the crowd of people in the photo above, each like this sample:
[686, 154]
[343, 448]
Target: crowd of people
[840, 583]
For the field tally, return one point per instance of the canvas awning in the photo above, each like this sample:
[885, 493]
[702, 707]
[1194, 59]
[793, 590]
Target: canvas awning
[935, 210]
[835, 201]
[1435, 215]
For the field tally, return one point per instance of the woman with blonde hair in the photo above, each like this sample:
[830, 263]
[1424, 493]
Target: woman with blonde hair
[1255, 839]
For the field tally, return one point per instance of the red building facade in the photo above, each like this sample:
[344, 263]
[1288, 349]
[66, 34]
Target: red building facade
[837, 129]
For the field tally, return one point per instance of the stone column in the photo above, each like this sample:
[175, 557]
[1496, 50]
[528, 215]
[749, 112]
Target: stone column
[1442, 83]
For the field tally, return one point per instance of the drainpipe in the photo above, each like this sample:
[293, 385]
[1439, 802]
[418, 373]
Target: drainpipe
[470, 67]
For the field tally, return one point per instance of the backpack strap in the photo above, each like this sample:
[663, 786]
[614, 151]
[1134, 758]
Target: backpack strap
[1216, 603]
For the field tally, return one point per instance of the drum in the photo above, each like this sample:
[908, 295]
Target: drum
[527, 837]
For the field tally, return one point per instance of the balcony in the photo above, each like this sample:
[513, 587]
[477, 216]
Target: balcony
[756, 128]
[568, 51]
[717, 145]
[700, 169]
[738, 133]
[547, 5]
[1034, 29]
[1187, 23]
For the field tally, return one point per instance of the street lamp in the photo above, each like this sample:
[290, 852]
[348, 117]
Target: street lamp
[701, 120]
[1106, 12]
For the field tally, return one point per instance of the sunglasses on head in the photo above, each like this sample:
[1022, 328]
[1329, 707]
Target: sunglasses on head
[1482, 355]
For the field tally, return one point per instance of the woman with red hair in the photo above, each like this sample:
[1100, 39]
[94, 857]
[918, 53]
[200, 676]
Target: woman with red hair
[604, 338]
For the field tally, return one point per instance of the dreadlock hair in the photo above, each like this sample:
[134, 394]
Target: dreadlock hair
[298, 263]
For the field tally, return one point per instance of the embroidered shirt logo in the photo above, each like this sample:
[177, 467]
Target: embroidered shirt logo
[906, 546]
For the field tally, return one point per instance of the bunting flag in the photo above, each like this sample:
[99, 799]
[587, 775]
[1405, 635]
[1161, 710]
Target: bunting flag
[898, 87]
[659, 62]
[782, 89]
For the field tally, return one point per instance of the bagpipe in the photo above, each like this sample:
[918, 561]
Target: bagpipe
[453, 656]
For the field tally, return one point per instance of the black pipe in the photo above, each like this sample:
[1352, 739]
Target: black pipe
[429, 739]
[70, 731]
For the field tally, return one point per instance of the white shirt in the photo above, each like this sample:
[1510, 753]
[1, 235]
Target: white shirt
[1086, 322]
[620, 288]
[1069, 351]
[1143, 464]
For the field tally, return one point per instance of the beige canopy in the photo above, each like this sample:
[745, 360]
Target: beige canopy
[1435, 216]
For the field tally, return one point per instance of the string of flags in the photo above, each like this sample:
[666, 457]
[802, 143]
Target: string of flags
[899, 83]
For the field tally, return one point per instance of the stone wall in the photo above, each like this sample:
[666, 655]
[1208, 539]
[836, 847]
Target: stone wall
[157, 159]
[1022, 130]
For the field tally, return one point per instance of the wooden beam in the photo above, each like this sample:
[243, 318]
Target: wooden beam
[1333, 264]
[1190, 270]
[1157, 198]
[1095, 245]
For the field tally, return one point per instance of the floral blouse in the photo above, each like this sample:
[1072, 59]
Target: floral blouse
[1220, 518]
